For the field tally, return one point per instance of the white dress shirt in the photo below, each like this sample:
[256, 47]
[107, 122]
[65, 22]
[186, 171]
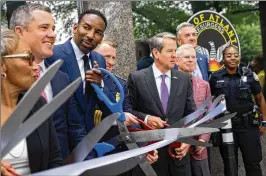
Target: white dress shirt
[48, 88]
[158, 79]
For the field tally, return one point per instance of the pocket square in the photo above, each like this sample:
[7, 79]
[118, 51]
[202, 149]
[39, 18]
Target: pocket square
[174, 77]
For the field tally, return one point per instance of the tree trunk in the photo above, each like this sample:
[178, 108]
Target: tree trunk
[262, 7]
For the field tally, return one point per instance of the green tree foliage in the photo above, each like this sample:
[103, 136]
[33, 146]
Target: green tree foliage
[153, 17]
[65, 14]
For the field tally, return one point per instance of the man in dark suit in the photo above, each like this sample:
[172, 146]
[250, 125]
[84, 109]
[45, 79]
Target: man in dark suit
[161, 94]
[186, 34]
[39, 34]
[78, 56]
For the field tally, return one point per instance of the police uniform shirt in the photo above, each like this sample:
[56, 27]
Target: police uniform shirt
[237, 89]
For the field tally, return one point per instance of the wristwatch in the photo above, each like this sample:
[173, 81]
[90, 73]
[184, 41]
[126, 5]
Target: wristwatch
[263, 123]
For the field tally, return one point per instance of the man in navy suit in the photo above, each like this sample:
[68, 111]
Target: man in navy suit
[38, 32]
[78, 56]
[186, 34]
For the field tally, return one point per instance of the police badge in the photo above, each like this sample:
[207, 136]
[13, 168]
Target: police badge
[255, 76]
[244, 78]
[117, 96]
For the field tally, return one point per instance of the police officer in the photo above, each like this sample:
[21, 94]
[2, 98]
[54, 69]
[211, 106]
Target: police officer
[238, 86]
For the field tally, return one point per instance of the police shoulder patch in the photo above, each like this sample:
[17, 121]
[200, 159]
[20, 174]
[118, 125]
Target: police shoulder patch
[255, 76]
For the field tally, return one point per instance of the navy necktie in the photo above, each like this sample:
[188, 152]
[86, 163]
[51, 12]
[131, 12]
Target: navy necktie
[88, 87]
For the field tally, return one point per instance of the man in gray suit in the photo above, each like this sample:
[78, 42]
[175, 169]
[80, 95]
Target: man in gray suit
[161, 94]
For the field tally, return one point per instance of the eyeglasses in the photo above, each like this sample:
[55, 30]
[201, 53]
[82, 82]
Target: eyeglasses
[27, 56]
[229, 55]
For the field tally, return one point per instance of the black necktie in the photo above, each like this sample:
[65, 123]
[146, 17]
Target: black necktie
[88, 87]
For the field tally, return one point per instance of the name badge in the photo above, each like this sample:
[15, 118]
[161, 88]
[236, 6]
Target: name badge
[220, 81]
[244, 78]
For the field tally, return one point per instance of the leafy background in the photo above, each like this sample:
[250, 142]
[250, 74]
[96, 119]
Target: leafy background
[150, 18]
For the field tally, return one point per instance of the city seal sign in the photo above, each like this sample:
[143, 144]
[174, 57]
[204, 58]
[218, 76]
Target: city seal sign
[214, 33]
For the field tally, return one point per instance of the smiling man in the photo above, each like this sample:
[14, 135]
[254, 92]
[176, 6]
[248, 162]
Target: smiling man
[160, 94]
[186, 61]
[186, 34]
[34, 24]
[79, 60]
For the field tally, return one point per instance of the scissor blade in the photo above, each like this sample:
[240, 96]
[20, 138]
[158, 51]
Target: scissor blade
[86, 145]
[212, 125]
[147, 136]
[189, 132]
[144, 165]
[215, 103]
[162, 134]
[188, 118]
[218, 110]
[221, 120]
[116, 168]
[26, 104]
[205, 103]
[194, 142]
[79, 168]
[40, 116]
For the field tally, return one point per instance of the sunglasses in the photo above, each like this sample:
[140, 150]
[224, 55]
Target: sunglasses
[27, 56]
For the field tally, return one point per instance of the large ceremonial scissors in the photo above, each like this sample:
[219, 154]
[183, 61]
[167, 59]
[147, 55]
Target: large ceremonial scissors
[162, 134]
[15, 129]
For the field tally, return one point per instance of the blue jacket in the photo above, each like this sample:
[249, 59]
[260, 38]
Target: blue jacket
[203, 65]
[70, 67]
[64, 133]
[202, 61]
[144, 62]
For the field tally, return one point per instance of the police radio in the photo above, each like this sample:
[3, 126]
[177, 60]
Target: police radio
[257, 116]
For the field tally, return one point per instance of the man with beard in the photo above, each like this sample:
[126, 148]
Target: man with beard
[79, 60]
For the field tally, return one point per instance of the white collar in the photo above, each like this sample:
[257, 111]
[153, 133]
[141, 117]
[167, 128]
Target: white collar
[78, 53]
[42, 65]
[157, 73]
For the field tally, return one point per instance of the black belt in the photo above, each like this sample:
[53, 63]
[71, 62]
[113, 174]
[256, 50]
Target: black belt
[243, 115]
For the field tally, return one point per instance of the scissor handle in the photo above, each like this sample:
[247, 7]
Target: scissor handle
[172, 147]
[103, 148]
[114, 107]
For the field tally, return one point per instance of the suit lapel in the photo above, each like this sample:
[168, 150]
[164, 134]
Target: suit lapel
[151, 84]
[200, 63]
[73, 72]
[173, 89]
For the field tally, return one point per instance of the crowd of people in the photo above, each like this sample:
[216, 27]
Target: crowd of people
[170, 83]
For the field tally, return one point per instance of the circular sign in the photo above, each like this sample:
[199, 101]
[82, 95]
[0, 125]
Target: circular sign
[215, 33]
